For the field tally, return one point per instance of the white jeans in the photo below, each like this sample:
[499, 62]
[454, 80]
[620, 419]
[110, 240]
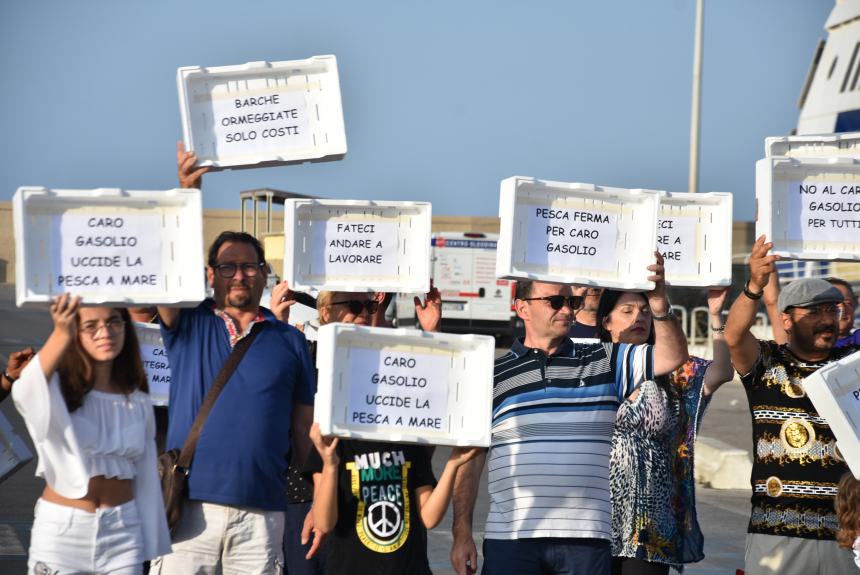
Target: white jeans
[214, 539]
[66, 540]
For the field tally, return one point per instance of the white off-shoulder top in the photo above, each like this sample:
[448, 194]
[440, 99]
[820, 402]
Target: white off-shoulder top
[111, 434]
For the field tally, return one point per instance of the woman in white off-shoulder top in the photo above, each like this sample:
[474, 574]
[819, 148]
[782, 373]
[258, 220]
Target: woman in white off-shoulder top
[85, 402]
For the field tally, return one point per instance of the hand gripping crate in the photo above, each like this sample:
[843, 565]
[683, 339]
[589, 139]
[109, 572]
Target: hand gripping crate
[835, 391]
[357, 245]
[845, 145]
[401, 385]
[577, 233]
[109, 246]
[810, 208]
[694, 234]
[262, 113]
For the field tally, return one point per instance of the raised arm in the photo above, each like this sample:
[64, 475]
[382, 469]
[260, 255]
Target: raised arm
[464, 553]
[771, 305]
[743, 345]
[64, 311]
[433, 501]
[325, 482]
[670, 344]
[720, 371]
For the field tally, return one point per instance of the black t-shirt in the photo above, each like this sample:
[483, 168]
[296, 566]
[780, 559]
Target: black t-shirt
[378, 529]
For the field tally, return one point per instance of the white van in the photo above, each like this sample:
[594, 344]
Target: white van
[463, 268]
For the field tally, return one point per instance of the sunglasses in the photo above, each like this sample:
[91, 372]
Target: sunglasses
[356, 306]
[556, 302]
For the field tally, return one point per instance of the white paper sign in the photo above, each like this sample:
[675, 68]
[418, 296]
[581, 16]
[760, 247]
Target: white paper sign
[824, 211]
[676, 240]
[398, 389]
[155, 362]
[255, 122]
[355, 248]
[107, 253]
[571, 238]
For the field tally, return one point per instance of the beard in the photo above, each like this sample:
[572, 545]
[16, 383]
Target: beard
[239, 300]
[807, 341]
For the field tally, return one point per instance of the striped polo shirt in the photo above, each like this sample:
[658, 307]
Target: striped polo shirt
[553, 419]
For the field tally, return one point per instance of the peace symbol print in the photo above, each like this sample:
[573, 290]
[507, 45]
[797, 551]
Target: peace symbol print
[384, 520]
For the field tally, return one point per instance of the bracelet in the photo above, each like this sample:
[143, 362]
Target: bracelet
[751, 295]
[720, 329]
[8, 377]
[669, 315]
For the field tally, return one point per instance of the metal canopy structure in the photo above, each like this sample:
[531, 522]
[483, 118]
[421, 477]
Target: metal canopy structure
[270, 198]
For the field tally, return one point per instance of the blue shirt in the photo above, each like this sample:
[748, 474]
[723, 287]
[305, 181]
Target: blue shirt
[244, 447]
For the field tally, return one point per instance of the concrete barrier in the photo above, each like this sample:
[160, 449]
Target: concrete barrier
[721, 466]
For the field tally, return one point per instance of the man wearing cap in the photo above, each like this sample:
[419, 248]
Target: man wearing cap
[797, 465]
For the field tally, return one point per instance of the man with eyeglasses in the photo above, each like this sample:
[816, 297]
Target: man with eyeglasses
[554, 404]
[797, 464]
[233, 519]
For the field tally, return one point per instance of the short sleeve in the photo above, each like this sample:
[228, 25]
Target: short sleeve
[422, 470]
[305, 386]
[631, 365]
[765, 355]
[171, 335]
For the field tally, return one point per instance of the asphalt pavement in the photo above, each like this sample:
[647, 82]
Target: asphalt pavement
[723, 514]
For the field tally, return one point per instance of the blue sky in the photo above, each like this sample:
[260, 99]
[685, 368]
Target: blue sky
[442, 99]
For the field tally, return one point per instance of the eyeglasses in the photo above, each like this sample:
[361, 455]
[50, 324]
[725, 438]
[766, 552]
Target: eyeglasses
[822, 310]
[356, 306]
[556, 302]
[227, 271]
[93, 328]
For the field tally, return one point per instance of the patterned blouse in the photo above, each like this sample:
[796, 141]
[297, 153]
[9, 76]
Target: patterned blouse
[651, 471]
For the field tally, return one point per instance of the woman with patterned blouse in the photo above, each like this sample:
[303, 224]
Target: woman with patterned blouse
[654, 525]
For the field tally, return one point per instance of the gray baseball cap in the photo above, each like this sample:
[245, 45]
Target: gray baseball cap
[808, 292]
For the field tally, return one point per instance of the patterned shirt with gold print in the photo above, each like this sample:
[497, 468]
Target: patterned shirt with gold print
[796, 463]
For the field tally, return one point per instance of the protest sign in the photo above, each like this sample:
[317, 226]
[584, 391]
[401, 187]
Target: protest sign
[694, 234]
[835, 391]
[155, 363]
[262, 113]
[810, 208]
[576, 233]
[109, 246]
[351, 245]
[400, 385]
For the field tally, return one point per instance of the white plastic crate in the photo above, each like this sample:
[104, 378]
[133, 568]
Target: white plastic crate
[262, 113]
[404, 385]
[14, 453]
[694, 234]
[823, 145]
[612, 233]
[810, 208]
[155, 362]
[357, 245]
[109, 246]
[835, 391]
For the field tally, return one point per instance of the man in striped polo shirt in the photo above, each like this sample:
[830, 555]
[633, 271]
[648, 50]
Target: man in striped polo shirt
[554, 405]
